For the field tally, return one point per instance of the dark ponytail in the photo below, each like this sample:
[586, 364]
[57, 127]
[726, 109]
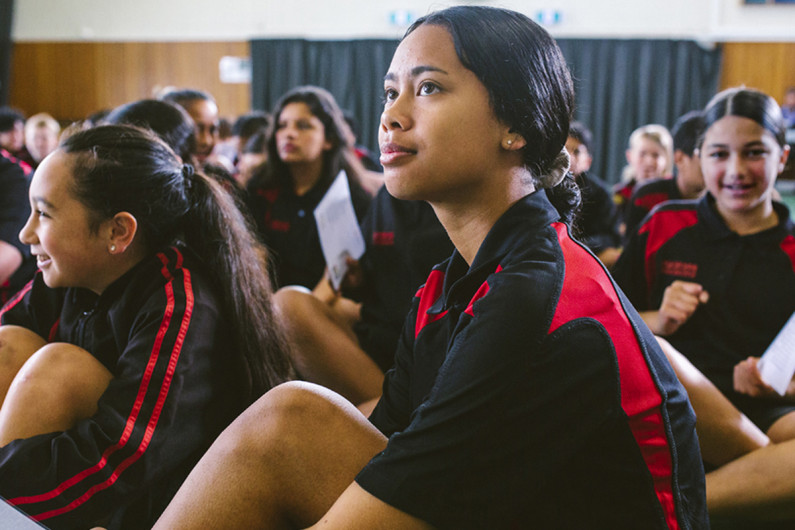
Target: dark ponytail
[123, 168]
[217, 231]
[565, 197]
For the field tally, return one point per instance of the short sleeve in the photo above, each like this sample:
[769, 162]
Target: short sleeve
[497, 418]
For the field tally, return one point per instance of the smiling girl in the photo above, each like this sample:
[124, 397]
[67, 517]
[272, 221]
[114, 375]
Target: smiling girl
[716, 276]
[525, 391]
[147, 329]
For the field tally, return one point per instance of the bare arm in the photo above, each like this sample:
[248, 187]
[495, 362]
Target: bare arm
[680, 301]
[10, 260]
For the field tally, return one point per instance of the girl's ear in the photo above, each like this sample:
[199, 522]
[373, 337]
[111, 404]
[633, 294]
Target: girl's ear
[783, 161]
[122, 229]
[512, 141]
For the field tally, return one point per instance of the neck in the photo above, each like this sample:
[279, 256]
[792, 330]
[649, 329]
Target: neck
[684, 191]
[469, 221]
[305, 175]
[118, 265]
[756, 220]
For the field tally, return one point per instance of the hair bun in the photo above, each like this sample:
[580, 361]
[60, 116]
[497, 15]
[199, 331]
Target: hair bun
[557, 171]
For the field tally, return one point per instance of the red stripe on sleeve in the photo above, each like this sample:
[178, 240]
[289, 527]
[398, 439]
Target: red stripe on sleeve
[589, 292]
[16, 298]
[152, 423]
[53, 331]
[132, 419]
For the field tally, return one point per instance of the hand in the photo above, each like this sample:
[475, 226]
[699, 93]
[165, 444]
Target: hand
[324, 292]
[680, 301]
[354, 276]
[609, 256]
[748, 380]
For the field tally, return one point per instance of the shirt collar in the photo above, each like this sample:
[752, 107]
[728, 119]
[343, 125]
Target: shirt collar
[531, 213]
[716, 227]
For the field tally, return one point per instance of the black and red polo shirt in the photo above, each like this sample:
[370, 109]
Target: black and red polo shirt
[159, 329]
[527, 392]
[750, 280]
[646, 197]
[286, 224]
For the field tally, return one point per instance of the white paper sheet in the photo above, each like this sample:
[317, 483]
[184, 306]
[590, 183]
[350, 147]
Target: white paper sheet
[340, 235]
[777, 365]
[13, 519]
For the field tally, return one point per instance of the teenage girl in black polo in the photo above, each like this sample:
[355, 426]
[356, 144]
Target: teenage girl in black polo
[309, 144]
[526, 392]
[147, 329]
[733, 289]
[716, 276]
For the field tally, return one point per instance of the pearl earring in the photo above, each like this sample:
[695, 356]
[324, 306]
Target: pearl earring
[510, 143]
[113, 248]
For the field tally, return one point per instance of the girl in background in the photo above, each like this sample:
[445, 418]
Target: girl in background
[650, 155]
[309, 144]
[715, 276]
[723, 304]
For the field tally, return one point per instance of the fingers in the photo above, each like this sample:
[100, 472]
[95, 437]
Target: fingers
[748, 380]
[680, 301]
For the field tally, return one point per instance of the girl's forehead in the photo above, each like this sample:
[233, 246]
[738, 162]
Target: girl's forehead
[647, 143]
[428, 45]
[296, 108]
[737, 128]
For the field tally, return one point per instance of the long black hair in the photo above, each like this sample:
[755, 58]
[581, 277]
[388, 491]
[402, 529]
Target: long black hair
[124, 168]
[528, 83]
[168, 120]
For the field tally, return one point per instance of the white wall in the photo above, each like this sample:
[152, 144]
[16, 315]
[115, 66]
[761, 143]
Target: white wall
[240, 20]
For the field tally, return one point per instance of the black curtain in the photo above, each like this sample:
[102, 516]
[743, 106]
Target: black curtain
[6, 15]
[353, 71]
[620, 84]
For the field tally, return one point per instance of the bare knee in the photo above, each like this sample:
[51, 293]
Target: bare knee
[17, 345]
[295, 416]
[295, 304]
[63, 370]
[783, 429]
[290, 407]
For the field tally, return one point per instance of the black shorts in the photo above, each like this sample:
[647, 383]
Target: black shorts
[764, 412]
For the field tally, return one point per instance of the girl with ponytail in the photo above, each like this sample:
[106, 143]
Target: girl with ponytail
[147, 329]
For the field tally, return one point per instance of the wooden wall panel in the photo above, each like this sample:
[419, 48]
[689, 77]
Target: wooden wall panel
[73, 79]
[70, 80]
[768, 66]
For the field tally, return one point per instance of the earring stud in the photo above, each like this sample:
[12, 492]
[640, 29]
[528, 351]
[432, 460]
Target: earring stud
[113, 248]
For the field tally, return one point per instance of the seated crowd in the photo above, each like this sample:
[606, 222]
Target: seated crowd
[519, 345]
